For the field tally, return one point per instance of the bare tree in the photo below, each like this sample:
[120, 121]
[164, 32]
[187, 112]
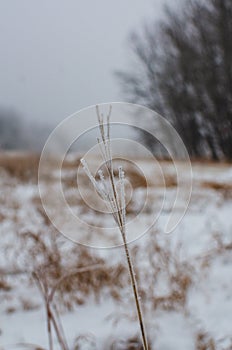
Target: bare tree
[183, 70]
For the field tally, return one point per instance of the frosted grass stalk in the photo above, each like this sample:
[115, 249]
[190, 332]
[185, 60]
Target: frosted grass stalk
[116, 202]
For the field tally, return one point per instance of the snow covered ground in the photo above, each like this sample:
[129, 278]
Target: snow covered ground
[185, 278]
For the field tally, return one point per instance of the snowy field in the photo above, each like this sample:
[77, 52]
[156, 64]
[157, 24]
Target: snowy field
[184, 278]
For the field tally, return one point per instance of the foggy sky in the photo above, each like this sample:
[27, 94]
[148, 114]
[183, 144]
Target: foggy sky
[58, 56]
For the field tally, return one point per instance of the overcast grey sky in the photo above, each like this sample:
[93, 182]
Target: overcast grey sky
[58, 56]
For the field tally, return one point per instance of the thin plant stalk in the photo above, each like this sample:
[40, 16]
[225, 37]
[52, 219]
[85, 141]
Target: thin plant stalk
[52, 314]
[51, 319]
[116, 204]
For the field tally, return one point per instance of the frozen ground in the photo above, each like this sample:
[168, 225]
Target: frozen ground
[185, 278]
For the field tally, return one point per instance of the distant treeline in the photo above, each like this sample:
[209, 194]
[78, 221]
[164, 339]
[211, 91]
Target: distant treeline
[182, 68]
[16, 133]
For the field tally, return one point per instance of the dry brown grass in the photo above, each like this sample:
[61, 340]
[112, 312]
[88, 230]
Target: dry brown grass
[71, 164]
[22, 166]
[204, 342]
[224, 188]
[137, 179]
[217, 186]
[2, 217]
[4, 285]
[65, 276]
[133, 343]
[85, 341]
[44, 254]
[170, 180]
[164, 264]
[46, 257]
[47, 253]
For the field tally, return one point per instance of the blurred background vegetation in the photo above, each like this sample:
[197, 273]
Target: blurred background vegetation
[182, 68]
[179, 66]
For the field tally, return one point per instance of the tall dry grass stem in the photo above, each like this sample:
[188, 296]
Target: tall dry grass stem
[116, 202]
[52, 313]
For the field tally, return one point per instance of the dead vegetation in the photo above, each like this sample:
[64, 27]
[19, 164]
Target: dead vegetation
[4, 285]
[57, 265]
[163, 263]
[22, 166]
[204, 342]
[132, 343]
[136, 178]
[170, 180]
[224, 188]
[70, 282]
